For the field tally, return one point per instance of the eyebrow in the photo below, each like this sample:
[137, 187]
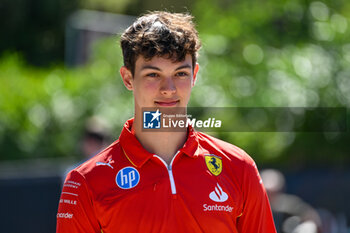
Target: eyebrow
[150, 67]
[184, 67]
[156, 68]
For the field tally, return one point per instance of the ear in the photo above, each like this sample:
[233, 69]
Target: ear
[127, 78]
[195, 71]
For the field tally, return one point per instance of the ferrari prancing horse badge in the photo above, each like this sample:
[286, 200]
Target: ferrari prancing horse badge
[214, 163]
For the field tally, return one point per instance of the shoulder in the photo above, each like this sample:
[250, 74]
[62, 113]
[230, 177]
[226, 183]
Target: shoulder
[239, 165]
[98, 173]
[237, 162]
[228, 151]
[101, 164]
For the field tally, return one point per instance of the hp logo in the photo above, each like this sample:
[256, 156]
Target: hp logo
[127, 178]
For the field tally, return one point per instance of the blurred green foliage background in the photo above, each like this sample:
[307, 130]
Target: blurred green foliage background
[255, 54]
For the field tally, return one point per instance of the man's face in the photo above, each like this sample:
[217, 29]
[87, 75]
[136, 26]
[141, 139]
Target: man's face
[159, 82]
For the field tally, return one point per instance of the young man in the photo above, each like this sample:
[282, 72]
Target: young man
[163, 181]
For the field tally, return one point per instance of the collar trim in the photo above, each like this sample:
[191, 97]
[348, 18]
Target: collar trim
[137, 155]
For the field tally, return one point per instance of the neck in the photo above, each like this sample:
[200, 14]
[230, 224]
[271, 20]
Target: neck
[163, 144]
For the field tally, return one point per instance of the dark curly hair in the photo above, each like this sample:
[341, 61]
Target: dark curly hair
[163, 34]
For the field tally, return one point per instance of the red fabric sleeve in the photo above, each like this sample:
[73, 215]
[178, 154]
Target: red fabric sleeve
[256, 215]
[75, 210]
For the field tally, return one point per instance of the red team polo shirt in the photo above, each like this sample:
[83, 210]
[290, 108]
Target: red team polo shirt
[209, 186]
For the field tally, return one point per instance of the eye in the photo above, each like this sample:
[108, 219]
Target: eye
[152, 75]
[182, 74]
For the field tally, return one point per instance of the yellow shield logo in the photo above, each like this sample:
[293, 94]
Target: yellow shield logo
[214, 164]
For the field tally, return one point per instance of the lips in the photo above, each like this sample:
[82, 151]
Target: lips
[167, 103]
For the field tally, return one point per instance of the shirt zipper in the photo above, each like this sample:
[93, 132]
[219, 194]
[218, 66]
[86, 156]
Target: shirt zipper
[170, 172]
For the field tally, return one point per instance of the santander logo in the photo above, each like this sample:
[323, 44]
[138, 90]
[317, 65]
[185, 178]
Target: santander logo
[218, 195]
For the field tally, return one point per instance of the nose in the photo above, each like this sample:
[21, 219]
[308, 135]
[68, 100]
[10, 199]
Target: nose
[168, 86]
